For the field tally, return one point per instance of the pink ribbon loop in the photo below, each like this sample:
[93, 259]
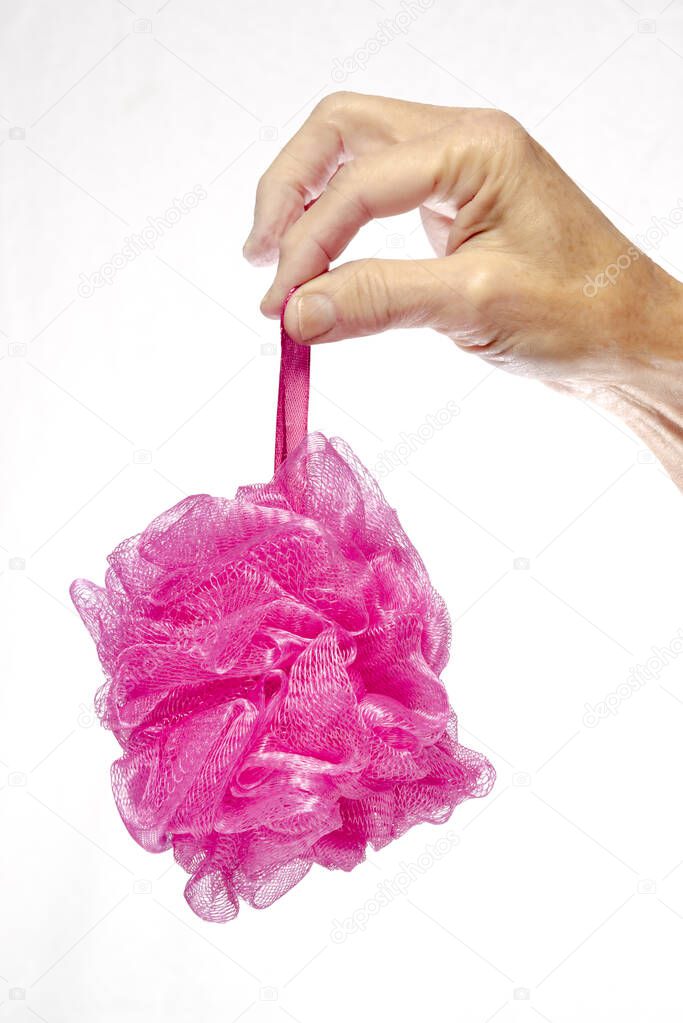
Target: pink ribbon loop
[291, 424]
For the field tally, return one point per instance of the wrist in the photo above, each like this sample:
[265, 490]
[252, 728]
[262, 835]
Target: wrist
[646, 389]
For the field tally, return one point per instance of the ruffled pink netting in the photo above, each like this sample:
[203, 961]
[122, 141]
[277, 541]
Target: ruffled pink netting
[272, 673]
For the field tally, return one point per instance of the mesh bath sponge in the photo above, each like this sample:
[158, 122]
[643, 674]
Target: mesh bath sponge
[272, 668]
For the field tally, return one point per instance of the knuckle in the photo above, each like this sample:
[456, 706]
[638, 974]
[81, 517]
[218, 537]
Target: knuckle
[485, 130]
[369, 297]
[343, 104]
[492, 127]
[481, 287]
[332, 103]
[500, 123]
[347, 185]
[275, 187]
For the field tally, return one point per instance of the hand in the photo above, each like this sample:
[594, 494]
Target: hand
[528, 272]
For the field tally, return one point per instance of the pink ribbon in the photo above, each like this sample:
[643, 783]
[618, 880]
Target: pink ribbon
[291, 425]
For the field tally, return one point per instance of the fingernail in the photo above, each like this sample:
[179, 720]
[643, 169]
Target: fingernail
[315, 315]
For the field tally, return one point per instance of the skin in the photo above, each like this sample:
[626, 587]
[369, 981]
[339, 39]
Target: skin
[528, 273]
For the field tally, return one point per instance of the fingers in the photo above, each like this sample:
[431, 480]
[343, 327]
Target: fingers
[382, 185]
[369, 296]
[297, 175]
[342, 127]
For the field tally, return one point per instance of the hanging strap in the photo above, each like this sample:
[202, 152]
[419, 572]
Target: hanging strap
[291, 424]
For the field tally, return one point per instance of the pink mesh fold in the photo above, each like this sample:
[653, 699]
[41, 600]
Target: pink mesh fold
[272, 669]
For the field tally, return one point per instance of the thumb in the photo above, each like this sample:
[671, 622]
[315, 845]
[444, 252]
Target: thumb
[371, 295]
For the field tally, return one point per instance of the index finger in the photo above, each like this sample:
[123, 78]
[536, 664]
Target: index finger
[341, 127]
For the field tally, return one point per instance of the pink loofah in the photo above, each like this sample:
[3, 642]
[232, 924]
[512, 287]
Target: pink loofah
[272, 666]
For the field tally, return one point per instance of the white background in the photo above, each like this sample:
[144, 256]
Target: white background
[562, 897]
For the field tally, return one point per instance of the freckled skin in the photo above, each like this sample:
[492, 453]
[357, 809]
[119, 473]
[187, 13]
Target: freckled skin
[527, 273]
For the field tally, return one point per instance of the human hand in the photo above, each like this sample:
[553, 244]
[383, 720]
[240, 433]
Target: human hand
[522, 255]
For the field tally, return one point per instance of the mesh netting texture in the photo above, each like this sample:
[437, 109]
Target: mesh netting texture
[272, 670]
